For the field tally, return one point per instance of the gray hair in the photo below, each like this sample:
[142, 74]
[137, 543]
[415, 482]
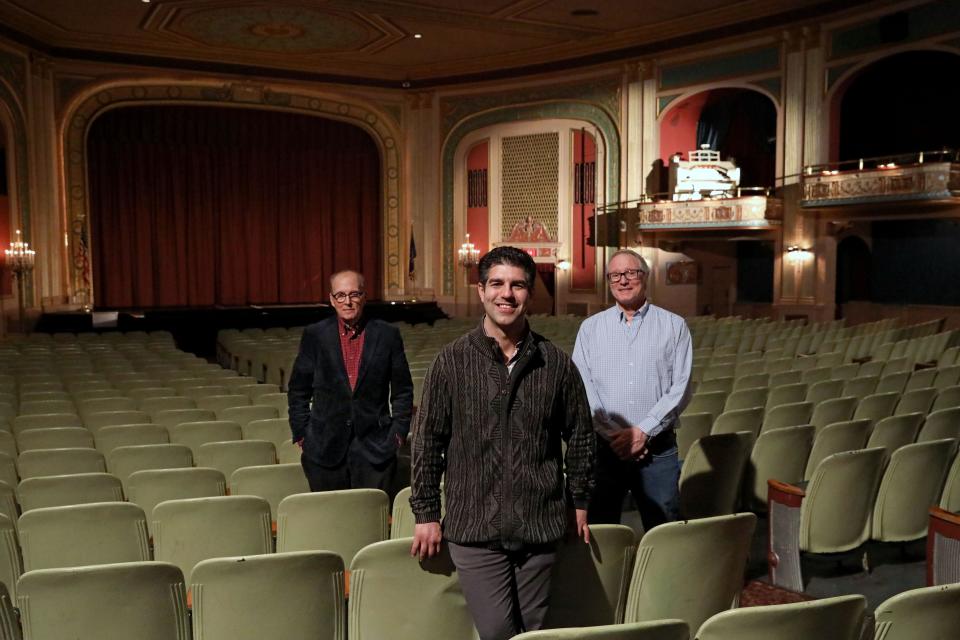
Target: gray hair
[633, 254]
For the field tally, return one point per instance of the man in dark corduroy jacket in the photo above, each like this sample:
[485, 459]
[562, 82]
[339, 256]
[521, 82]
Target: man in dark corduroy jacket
[496, 405]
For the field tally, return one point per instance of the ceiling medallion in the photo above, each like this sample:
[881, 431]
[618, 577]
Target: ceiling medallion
[289, 29]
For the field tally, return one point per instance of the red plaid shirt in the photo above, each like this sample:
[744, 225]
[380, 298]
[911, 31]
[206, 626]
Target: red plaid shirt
[351, 346]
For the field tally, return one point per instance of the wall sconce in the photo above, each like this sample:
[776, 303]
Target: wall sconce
[564, 265]
[796, 254]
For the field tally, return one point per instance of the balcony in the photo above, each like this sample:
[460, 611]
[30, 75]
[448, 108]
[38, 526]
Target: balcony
[925, 177]
[751, 209]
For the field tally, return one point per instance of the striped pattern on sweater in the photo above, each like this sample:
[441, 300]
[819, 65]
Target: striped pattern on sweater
[495, 439]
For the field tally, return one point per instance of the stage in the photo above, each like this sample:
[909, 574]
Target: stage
[195, 329]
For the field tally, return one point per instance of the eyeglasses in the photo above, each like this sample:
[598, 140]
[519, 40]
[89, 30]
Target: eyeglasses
[630, 274]
[341, 296]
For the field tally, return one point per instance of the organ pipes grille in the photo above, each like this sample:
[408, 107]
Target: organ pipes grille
[477, 188]
[530, 180]
[584, 182]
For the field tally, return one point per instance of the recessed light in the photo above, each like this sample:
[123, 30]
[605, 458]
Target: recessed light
[418, 35]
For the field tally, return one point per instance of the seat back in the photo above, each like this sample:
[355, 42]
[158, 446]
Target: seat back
[689, 570]
[109, 438]
[929, 612]
[748, 420]
[824, 390]
[228, 456]
[779, 454]
[273, 482]
[655, 630]
[150, 487]
[835, 514]
[84, 534]
[218, 403]
[876, 406]
[172, 417]
[58, 462]
[402, 521]
[84, 601]
[896, 382]
[831, 411]
[245, 415]
[692, 427]
[155, 404]
[893, 432]
[861, 386]
[786, 394]
[56, 438]
[123, 461]
[947, 398]
[65, 490]
[839, 618]
[787, 415]
[837, 438]
[194, 434]
[711, 402]
[751, 381]
[96, 421]
[302, 591]
[950, 497]
[711, 474]
[391, 595]
[45, 421]
[916, 401]
[275, 430]
[190, 530]
[911, 484]
[940, 424]
[339, 521]
[588, 585]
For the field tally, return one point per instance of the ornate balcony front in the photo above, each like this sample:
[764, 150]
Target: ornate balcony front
[923, 177]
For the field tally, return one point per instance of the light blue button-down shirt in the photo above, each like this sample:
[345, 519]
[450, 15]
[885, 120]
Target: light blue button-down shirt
[637, 374]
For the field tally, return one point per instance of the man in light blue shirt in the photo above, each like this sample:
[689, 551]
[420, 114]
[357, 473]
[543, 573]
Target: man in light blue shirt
[635, 361]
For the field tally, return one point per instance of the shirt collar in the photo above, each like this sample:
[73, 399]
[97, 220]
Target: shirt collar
[521, 343]
[641, 312]
[353, 330]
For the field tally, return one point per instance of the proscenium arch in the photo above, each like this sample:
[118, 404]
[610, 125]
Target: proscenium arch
[778, 109]
[106, 97]
[606, 129]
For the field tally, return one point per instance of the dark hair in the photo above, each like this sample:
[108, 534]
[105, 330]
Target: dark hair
[510, 256]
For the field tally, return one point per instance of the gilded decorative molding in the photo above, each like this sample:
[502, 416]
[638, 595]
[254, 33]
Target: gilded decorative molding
[746, 211]
[929, 181]
[120, 95]
[603, 92]
[66, 87]
[595, 114]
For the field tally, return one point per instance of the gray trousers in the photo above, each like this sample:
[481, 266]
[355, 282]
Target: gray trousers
[507, 592]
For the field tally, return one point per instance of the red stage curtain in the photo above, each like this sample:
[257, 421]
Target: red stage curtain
[199, 206]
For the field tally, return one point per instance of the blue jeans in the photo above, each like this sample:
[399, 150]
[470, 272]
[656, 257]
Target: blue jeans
[653, 482]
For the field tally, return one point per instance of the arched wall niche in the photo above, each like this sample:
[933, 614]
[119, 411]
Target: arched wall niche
[488, 140]
[833, 99]
[13, 123]
[97, 100]
[692, 93]
[606, 134]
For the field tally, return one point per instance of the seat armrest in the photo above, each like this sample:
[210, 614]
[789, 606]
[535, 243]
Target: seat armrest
[943, 547]
[783, 546]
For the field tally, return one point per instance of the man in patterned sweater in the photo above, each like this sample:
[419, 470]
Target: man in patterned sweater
[497, 403]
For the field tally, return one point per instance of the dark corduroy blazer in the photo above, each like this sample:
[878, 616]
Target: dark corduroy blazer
[329, 416]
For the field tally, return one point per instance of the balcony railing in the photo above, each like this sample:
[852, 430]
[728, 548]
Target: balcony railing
[922, 176]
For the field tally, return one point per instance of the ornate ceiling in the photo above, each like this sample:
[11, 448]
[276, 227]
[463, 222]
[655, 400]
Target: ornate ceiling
[375, 41]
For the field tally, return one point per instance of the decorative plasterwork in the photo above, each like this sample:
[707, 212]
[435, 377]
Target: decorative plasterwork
[930, 181]
[13, 70]
[747, 211]
[603, 92]
[82, 115]
[605, 121]
[18, 140]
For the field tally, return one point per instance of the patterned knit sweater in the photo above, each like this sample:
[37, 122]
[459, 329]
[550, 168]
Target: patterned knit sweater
[494, 437]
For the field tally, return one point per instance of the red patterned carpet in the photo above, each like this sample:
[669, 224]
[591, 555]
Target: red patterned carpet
[758, 593]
